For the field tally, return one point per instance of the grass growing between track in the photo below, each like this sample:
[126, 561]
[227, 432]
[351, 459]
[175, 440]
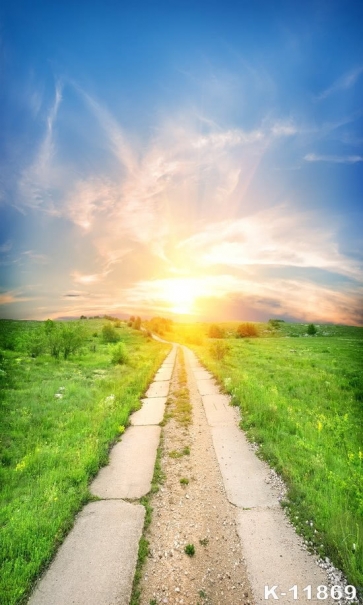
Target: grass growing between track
[301, 399]
[52, 446]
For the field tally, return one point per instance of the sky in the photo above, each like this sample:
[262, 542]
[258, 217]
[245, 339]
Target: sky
[200, 160]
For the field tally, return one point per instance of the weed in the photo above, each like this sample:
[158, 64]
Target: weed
[178, 454]
[202, 594]
[184, 481]
[189, 550]
[204, 541]
[182, 406]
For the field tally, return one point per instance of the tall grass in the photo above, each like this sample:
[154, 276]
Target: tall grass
[58, 420]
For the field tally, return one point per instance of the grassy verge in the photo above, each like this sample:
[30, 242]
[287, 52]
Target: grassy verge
[182, 409]
[58, 420]
[301, 400]
[157, 480]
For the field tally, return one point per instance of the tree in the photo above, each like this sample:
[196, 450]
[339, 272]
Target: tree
[311, 330]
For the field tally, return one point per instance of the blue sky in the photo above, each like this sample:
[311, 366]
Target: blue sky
[192, 159]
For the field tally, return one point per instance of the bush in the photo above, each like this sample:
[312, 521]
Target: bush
[35, 342]
[274, 324]
[65, 338]
[215, 331]
[109, 333]
[119, 354]
[219, 350]
[72, 336]
[312, 330]
[246, 329]
[160, 325]
[137, 323]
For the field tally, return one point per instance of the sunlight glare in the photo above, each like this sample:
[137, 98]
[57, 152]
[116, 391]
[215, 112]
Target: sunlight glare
[181, 294]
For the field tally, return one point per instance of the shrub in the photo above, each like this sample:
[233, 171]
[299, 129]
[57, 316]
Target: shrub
[119, 354]
[72, 336]
[246, 329]
[35, 342]
[160, 325]
[219, 350]
[109, 333]
[311, 329]
[137, 323]
[274, 324]
[215, 331]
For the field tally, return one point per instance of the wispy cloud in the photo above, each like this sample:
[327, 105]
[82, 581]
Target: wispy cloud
[335, 159]
[345, 81]
[38, 179]
[39, 259]
[116, 137]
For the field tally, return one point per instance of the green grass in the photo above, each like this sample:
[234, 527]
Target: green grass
[52, 446]
[143, 551]
[189, 550]
[182, 410]
[180, 453]
[301, 399]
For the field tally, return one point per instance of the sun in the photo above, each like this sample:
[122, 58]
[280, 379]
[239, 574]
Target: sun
[181, 294]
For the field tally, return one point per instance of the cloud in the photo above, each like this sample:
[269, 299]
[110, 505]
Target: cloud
[6, 247]
[303, 299]
[78, 278]
[38, 180]
[335, 159]
[39, 259]
[345, 82]
[12, 297]
[274, 237]
[115, 135]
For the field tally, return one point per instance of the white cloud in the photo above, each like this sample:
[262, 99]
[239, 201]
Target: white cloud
[82, 279]
[335, 159]
[272, 237]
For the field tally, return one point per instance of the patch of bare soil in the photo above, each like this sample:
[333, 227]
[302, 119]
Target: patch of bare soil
[195, 513]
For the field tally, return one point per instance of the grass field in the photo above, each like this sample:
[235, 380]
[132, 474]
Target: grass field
[58, 419]
[301, 399]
